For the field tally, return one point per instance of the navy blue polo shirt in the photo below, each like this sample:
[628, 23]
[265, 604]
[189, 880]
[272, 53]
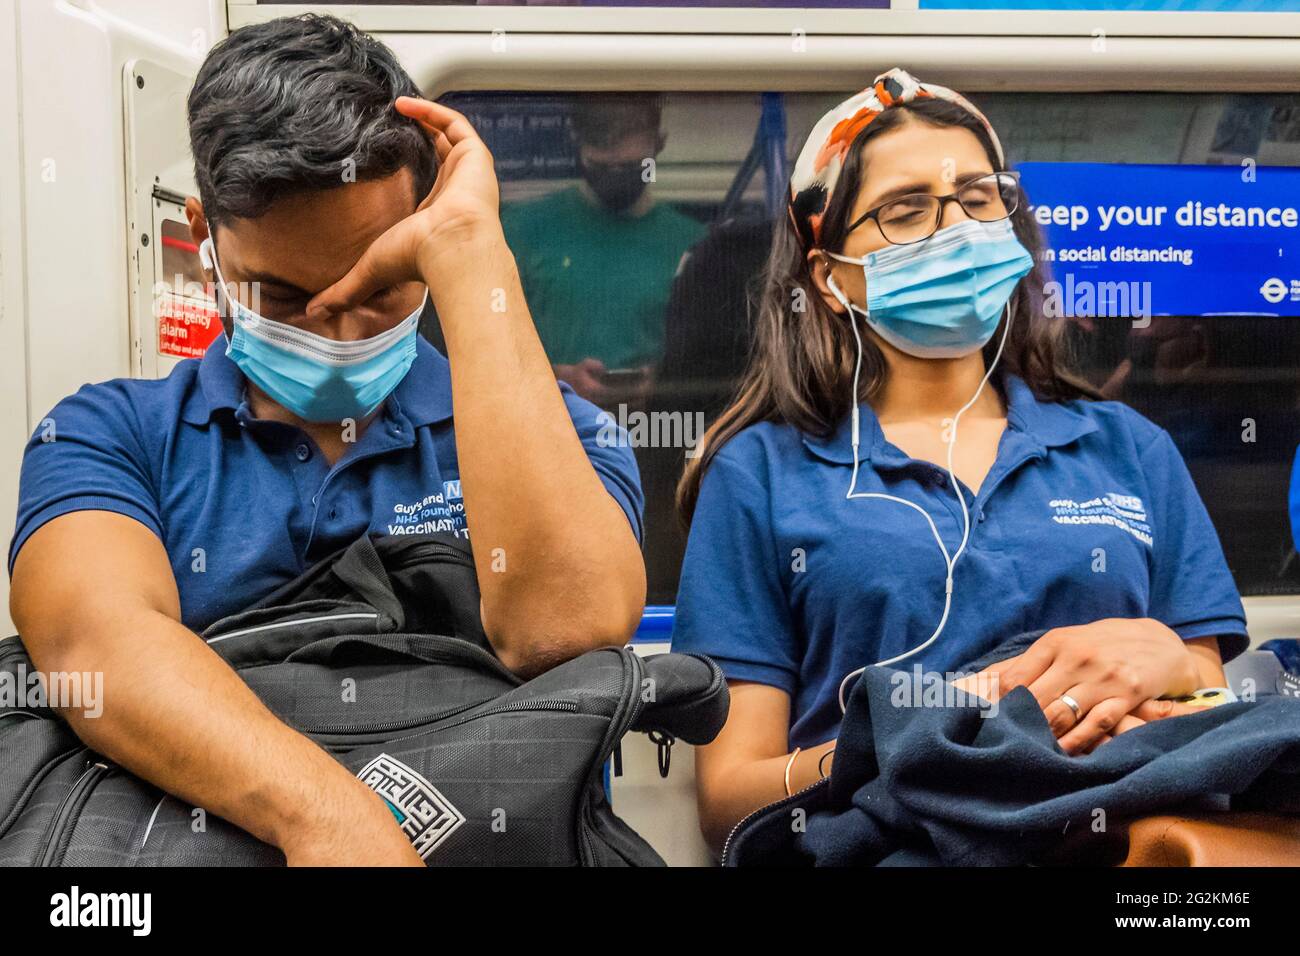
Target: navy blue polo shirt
[1088, 512]
[243, 505]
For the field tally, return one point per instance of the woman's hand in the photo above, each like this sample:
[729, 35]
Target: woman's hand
[1146, 713]
[463, 205]
[1109, 668]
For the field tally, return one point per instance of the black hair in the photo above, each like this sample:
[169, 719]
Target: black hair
[298, 104]
[603, 119]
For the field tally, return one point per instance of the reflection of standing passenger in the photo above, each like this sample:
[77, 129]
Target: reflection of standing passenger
[597, 260]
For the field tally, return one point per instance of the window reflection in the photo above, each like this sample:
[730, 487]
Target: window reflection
[597, 257]
[647, 279]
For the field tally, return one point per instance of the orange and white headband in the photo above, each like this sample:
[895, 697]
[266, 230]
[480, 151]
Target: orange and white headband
[812, 181]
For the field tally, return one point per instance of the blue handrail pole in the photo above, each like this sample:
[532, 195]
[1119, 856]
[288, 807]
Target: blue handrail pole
[766, 150]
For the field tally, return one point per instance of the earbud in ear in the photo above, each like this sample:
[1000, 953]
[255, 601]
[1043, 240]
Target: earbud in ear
[839, 296]
[205, 253]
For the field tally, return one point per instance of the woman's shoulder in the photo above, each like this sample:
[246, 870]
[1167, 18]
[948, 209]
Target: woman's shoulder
[752, 464]
[761, 447]
[1116, 420]
[1104, 426]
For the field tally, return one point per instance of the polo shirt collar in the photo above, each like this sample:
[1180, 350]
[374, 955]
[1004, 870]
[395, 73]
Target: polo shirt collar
[1047, 424]
[423, 396]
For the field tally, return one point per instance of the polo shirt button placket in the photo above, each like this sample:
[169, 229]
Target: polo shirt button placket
[302, 452]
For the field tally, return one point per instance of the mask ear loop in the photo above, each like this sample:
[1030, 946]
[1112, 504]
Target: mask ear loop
[208, 259]
[852, 493]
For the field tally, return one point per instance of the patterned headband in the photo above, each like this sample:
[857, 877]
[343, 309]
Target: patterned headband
[818, 167]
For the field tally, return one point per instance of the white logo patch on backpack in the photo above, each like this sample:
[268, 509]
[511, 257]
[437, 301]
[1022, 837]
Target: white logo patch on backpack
[425, 815]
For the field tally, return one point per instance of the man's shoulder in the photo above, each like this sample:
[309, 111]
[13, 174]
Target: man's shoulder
[604, 434]
[679, 221]
[149, 406]
[537, 211]
[609, 449]
[586, 415]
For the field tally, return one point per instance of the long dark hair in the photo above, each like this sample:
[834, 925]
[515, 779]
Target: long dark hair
[800, 368]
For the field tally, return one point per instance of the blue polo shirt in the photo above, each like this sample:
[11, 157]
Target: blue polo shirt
[243, 505]
[1088, 512]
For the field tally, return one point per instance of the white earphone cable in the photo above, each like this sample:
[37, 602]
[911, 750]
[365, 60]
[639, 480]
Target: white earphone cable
[949, 562]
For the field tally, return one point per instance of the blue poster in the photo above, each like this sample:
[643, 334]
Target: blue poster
[1139, 240]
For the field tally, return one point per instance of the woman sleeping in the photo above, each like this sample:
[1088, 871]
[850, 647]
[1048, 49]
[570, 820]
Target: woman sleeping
[910, 474]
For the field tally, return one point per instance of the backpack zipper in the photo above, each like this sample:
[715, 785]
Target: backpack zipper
[635, 669]
[66, 811]
[400, 724]
[764, 810]
[451, 649]
[439, 722]
[302, 620]
[445, 550]
[40, 777]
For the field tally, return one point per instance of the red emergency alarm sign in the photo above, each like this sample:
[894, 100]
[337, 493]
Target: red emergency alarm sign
[187, 316]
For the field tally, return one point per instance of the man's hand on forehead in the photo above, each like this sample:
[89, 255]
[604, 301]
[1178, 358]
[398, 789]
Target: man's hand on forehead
[464, 200]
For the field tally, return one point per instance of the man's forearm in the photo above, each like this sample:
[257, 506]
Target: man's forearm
[180, 717]
[557, 559]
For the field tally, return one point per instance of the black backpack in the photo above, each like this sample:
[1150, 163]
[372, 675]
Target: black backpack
[378, 654]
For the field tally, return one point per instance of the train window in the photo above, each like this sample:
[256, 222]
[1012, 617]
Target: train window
[641, 222]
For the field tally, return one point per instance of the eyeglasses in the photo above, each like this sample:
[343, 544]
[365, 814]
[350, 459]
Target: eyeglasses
[916, 217]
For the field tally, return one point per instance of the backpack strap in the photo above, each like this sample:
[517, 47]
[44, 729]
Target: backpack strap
[362, 570]
[424, 584]
[355, 574]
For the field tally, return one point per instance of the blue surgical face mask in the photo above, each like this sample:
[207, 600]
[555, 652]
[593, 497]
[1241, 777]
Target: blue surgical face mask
[943, 297]
[317, 378]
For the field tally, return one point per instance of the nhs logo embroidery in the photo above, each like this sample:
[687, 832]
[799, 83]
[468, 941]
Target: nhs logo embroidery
[439, 511]
[1127, 502]
[1125, 512]
[425, 815]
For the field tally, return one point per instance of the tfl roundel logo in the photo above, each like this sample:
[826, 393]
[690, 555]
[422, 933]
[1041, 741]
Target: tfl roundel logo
[1273, 290]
